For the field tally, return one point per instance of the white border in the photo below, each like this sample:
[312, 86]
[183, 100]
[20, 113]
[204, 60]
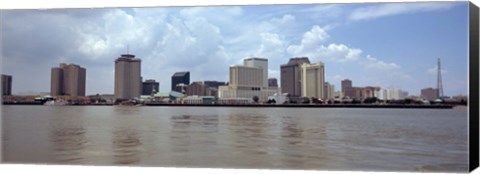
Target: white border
[48, 4]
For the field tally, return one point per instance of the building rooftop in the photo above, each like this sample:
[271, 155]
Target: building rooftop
[243, 66]
[177, 74]
[127, 57]
[256, 58]
[298, 60]
[149, 81]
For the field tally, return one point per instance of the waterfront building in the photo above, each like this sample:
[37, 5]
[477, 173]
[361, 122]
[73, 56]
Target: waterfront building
[247, 81]
[68, 80]
[128, 80]
[180, 78]
[313, 80]
[429, 94]
[196, 88]
[346, 88]
[6, 85]
[272, 82]
[392, 93]
[329, 91]
[181, 88]
[360, 93]
[150, 87]
[290, 76]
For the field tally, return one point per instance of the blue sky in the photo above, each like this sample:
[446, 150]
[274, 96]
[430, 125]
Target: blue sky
[373, 44]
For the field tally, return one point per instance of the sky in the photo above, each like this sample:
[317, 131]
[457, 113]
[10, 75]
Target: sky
[373, 44]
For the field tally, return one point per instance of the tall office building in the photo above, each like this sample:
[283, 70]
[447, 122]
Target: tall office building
[346, 85]
[68, 80]
[248, 80]
[180, 78]
[149, 87]
[313, 80]
[6, 85]
[290, 76]
[261, 63]
[128, 80]
[246, 76]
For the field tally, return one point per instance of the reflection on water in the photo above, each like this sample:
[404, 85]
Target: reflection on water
[68, 144]
[125, 146]
[324, 139]
[192, 137]
[67, 135]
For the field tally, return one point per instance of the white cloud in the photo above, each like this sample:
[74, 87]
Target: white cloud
[371, 62]
[285, 20]
[339, 53]
[272, 46]
[434, 70]
[390, 9]
[310, 41]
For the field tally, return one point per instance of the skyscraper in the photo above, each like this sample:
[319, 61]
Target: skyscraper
[149, 87]
[290, 76]
[261, 63]
[347, 88]
[248, 80]
[313, 80]
[6, 85]
[180, 78]
[128, 80]
[246, 76]
[68, 80]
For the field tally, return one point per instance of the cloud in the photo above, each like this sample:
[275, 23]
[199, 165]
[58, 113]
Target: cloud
[339, 53]
[434, 70]
[371, 62]
[390, 9]
[310, 41]
[285, 20]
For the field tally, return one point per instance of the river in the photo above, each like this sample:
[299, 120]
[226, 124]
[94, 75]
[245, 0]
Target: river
[353, 139]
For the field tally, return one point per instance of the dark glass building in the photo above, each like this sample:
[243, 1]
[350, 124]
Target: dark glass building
[6, 84]
[290, 75]
[214, 84]
[180, 78]
[149, 87]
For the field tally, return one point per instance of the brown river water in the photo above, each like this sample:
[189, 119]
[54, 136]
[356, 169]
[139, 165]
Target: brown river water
[229, 137]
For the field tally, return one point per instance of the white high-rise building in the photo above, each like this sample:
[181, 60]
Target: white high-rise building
[248, 80]
[246, 76]
[261, 63]
[313, 80]
[128, 81]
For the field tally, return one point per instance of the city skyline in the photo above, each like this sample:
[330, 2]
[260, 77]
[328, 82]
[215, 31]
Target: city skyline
[170, 39]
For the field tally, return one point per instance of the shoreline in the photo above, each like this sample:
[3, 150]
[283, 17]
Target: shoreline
[404, 106]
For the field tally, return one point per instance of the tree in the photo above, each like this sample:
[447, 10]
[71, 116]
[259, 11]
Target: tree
[255, 99]
[370, 100]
